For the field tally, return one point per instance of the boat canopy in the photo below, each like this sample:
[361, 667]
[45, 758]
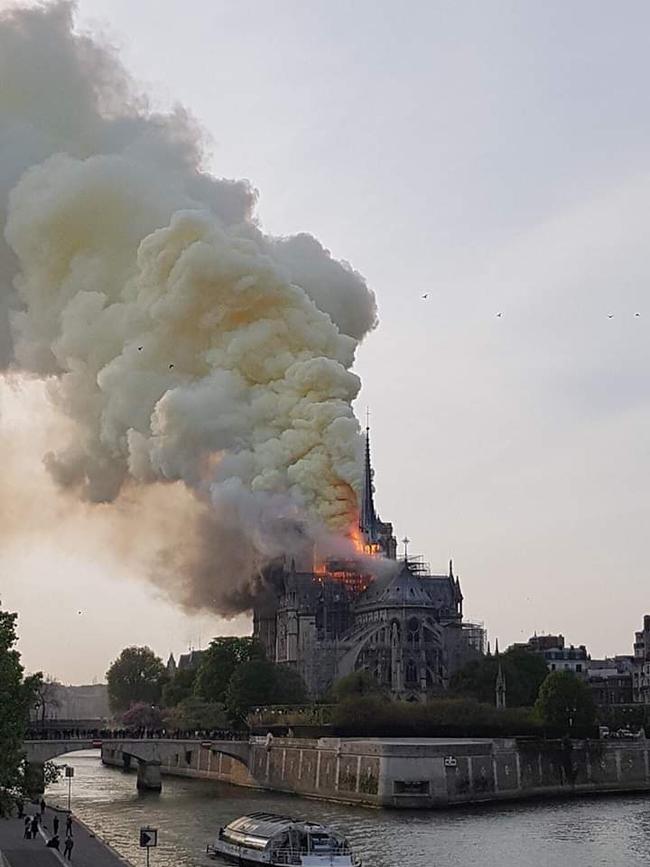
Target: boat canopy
[256, 830]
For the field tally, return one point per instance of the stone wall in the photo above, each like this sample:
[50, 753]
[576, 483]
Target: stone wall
[423, 773]
[199, 762]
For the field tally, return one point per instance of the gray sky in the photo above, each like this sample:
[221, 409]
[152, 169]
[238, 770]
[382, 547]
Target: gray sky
[495, 156]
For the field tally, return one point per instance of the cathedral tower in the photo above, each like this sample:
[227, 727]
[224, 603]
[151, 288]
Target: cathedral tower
[377, 535]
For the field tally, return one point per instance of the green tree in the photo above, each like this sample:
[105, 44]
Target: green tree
[565, 703]
[355, 685]
[18, 696]
[220, 661]
[527, 672]
[260, 682]
[524, 673]
[195, 714]
[179, 688]
[289, 686]
[137, 675]
[12, 709]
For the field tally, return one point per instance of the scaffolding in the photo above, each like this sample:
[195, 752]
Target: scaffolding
[475, 635]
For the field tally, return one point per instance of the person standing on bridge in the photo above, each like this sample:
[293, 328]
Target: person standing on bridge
[43, 805]
[34, 824]
[28, 828]
[55, 824]
[67, 849]
[68, 826]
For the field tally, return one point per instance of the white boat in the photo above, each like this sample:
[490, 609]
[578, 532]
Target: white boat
[264, 838]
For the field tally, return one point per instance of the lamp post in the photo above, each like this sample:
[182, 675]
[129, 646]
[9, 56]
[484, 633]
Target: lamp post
[69, 772]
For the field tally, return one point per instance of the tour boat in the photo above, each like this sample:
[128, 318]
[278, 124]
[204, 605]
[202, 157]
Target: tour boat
[264, 838]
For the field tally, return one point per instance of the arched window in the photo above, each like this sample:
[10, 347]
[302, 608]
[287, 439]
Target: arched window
[413, 635]
[411, 672]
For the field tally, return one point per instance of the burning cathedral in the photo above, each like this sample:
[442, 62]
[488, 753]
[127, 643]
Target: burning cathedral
[328, 620]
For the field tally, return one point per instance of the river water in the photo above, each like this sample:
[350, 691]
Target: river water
[612, 831]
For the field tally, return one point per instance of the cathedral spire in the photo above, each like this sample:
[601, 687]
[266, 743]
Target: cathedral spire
[367, 514]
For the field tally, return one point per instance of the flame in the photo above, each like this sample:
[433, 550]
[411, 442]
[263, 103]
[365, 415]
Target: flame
[350, 572]
[372, 549]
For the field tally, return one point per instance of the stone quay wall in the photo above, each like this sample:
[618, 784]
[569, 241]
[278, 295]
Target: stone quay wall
[424, 773]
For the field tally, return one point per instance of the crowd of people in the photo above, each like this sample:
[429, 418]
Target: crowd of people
[35, 821]
[53, 734]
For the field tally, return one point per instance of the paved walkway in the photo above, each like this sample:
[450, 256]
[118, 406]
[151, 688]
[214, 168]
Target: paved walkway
[88, 850]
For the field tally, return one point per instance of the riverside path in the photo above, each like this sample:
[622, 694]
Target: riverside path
[89, 851]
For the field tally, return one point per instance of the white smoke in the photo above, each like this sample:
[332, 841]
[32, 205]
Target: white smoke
[181, 342]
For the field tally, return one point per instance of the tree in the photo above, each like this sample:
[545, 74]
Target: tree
[289, 686]
[137, 675]
[179, 688]
[565, 703]
[355, 685]
[260, 682]
[17, 697]
[195, 714]
[12, 709]
[47, 690]
[219, 663]
[527, 672]
[524, 673]
[142, 716]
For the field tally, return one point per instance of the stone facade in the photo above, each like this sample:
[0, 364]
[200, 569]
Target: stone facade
[422, 773]
[403, 625]
[641, 675]
[407, 631]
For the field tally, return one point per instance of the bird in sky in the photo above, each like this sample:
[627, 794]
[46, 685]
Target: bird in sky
[637, 314]
[171, 366]
[499, 315]
[610, 315]
[426, 295]
[139, 348]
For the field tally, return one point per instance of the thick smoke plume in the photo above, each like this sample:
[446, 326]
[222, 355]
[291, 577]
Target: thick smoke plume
[181, 342]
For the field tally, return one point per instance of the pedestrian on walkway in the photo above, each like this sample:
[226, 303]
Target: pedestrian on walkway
[34, 825]
[43, 805]
[20, 804]
[68, 826]
[67, 849]
[28, 828]
[55, 824]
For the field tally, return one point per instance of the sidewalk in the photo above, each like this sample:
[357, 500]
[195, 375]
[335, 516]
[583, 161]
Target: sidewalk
[88, 850]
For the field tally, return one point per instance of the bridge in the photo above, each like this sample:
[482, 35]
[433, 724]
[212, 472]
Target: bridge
[149, 753]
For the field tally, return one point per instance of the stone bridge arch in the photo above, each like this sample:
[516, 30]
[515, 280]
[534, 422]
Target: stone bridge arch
[152, 754]
[39, 752]
[149, 753]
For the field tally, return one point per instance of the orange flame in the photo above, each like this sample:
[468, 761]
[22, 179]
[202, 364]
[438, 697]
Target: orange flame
[349, 572]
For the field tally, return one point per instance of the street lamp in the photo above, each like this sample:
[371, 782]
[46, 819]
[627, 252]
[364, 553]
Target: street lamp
[69, 772]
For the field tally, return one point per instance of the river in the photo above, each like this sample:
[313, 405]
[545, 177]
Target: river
[612, 831]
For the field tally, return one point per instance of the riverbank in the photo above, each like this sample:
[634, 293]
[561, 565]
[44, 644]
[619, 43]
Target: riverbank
[89, 849]
[415, 773]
